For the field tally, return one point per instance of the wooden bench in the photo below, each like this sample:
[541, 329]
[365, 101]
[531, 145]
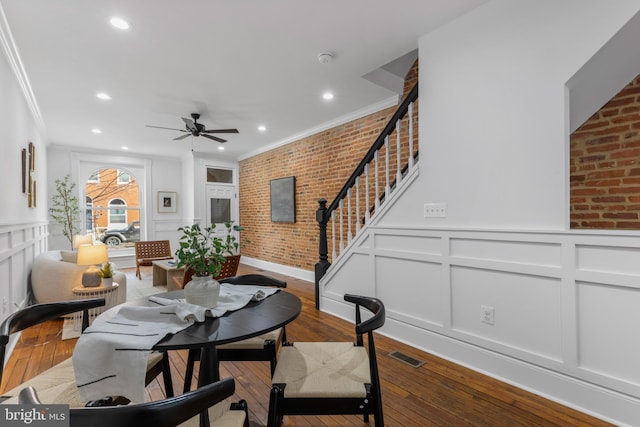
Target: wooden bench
[149, 251]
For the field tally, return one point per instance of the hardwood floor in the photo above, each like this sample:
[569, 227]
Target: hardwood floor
[438, 393]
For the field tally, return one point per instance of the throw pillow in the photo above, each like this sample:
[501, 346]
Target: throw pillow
[69, 256]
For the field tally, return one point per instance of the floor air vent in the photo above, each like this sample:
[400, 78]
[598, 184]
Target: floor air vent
[406, 359]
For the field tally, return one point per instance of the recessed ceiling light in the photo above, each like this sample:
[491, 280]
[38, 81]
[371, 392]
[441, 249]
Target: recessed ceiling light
[119, 23]
[125, 148]
[220, 147]
[103, 95]
[262, 128]
[327, 96]
[96, 130]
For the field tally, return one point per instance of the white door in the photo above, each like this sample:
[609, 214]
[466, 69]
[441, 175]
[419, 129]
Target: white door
[221, 206]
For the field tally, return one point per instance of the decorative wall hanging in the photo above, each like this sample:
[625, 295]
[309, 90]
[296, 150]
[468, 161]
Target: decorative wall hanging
[28, 174]
[283, 199]
[167, 201]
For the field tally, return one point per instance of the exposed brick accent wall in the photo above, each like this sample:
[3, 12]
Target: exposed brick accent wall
[321, 164]
[604, 165]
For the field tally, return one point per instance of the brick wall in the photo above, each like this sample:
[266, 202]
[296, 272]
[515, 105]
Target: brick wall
[321, 164]
[604, 165]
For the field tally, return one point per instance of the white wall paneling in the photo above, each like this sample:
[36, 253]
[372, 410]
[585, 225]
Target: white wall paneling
[565, 303]
[20, 244]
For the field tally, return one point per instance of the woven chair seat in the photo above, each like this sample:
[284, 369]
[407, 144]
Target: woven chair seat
[323, 369]
[220, 416]
[58, 384]
[255, 342]
[55, 385]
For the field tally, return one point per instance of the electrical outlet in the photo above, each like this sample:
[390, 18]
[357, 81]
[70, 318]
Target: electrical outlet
[435, 210]
[487, 314]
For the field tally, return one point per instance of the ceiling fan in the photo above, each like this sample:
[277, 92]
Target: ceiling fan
[192, 127]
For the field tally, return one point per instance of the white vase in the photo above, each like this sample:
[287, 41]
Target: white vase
[202, 291]
[107, 281]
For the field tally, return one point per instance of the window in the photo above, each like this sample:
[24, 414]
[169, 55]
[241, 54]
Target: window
[117, 212]
[89, 213]
[95, 177]
[113, 203]
[223, 176]
[123, 177]
[220, 210]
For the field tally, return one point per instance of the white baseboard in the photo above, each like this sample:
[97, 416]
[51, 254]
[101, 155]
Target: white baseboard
[298, 273]
[599, 402]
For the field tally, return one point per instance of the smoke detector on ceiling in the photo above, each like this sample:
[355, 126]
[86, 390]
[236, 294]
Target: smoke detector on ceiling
[325, 57]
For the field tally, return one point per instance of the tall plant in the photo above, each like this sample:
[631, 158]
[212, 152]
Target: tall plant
[203, 251]
[64, 208]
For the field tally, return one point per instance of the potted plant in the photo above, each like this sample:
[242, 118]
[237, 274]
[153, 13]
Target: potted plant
[106, 273]
[65, 209]
[201, 251]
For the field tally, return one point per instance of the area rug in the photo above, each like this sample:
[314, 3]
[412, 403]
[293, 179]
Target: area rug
[135, 289]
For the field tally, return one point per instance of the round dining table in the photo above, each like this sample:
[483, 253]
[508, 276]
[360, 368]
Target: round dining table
[256, 318]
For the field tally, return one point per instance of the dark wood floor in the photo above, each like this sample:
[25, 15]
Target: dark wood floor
[438, 393]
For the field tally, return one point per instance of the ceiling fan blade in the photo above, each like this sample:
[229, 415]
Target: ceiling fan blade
[190, 124]
[221, 131]
[160, 127]
[215, 138]
[181, 137]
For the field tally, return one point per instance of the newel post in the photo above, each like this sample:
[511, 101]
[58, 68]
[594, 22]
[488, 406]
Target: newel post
[323, 262]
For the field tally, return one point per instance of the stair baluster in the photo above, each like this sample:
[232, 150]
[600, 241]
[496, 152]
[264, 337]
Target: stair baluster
[342, 238]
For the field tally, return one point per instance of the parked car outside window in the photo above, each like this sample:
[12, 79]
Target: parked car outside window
[116, 237]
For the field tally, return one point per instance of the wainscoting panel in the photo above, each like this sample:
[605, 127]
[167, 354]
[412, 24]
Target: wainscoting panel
[608, 259]
[609, 318]
[20, 244]
[566, 305]
[409, 243]
[418, 283]
[358, 280]
[537, 253]
[526, 309]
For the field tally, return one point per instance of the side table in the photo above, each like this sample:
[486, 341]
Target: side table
[165, 273]
[109, 293]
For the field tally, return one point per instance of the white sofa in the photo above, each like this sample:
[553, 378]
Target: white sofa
[55, 273]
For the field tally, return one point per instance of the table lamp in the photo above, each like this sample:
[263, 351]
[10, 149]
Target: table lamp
[82, 239]
[92, 255]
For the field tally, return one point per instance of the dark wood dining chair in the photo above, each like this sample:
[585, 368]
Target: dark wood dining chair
[325, 378]
[183, 410]
[261, 348]
[58, 382]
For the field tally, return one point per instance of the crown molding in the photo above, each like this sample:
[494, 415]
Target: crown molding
[15, 63]
[370, 109]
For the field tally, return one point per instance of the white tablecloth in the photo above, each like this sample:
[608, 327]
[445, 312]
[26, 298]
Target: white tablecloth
[110, 357]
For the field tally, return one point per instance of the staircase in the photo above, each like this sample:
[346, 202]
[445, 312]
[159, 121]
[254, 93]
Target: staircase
[393, 155]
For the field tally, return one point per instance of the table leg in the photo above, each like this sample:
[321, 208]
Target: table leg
[208, 366]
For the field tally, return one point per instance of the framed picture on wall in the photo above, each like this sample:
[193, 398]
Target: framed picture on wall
[167, 201]
[283, 199]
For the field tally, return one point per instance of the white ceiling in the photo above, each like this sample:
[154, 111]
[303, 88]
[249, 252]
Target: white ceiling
[238, 63]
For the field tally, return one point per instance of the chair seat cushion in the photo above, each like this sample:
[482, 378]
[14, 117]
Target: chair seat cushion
[323, 369]
[255, 342]
[219, 416]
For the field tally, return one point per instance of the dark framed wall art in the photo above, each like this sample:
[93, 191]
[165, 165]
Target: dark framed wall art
[283, 199]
